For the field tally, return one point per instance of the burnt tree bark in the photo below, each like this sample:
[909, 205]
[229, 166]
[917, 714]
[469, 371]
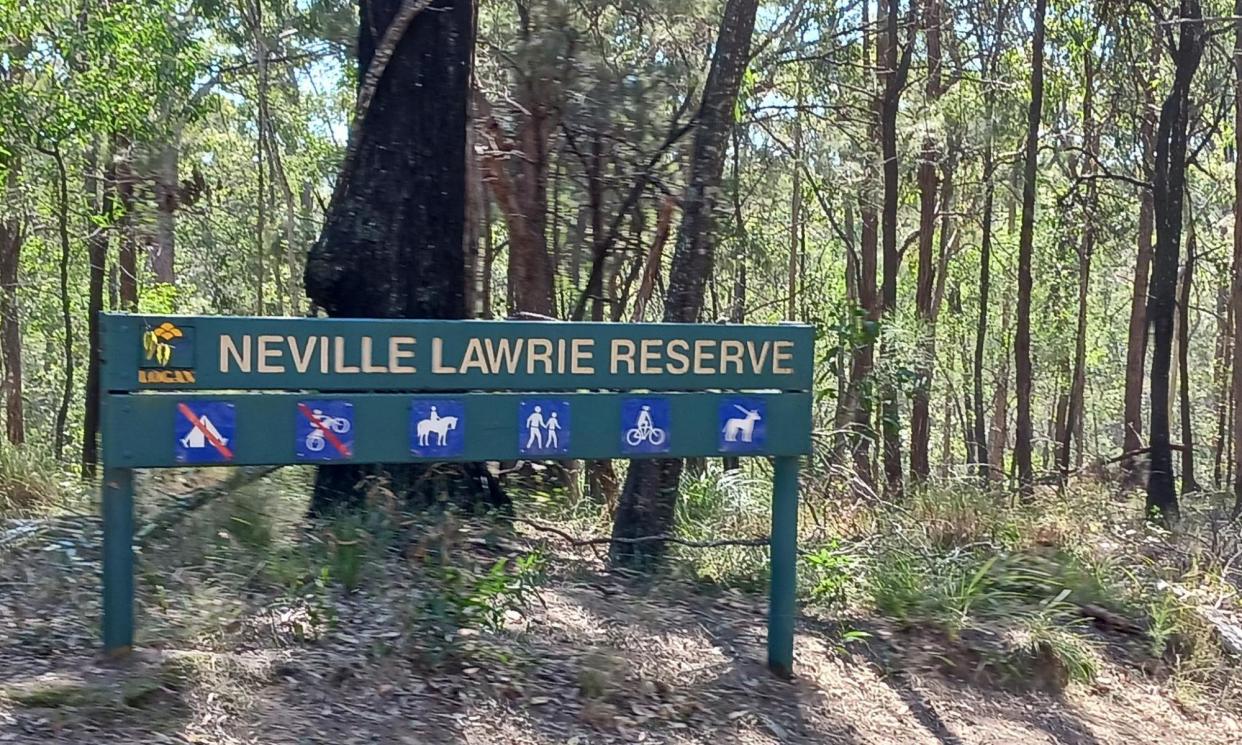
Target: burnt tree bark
[1168, 190]
[392, 241]
[1022, 340]
[649, 497]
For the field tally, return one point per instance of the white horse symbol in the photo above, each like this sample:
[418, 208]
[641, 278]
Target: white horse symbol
[742, 428]
[440, 427]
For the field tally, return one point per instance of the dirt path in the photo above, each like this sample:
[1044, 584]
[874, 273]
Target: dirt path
[603, 660]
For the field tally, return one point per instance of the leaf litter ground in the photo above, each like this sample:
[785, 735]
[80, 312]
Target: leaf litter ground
[227, 656]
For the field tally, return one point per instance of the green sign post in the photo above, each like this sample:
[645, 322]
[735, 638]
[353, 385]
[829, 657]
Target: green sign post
[218, 390]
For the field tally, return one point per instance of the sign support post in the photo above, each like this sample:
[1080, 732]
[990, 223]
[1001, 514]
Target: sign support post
[784, 560]
[118, 560]
[180, 391]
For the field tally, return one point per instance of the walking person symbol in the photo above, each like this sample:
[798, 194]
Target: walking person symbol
[544, 427]
[553, 425]
[535, 425]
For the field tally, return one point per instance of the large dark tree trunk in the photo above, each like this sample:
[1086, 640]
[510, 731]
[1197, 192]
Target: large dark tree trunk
[1136, 344]
[650, 494]
[1168, 189]
[392, 242]
[1022, 340]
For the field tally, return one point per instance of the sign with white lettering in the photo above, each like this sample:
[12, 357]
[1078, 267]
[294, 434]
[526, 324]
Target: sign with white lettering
[342, 354]
[274, 391]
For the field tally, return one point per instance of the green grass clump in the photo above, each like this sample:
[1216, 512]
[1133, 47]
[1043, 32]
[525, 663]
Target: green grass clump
[33, 483]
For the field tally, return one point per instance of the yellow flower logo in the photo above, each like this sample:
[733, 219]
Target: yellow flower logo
[156, 342]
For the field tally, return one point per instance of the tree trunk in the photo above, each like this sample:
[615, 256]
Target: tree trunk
[649, 497]
[101, 201]
[795, 207]
[651, 269]
[1000, 406]
[1078, 377]
[896, 66]
[391, 245]
[1022, 341]
[1168, 190]
[862, 355]
[61, 436]
[127, 253]
[163, 250]
[1189, 483]
[1235, 294]
[12, 239]
[981, 328]
[983, 451]
[1220, 379]
[920, 413]
[1136, 344]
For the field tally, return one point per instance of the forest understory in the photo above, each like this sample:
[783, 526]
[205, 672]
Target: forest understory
[953, 619]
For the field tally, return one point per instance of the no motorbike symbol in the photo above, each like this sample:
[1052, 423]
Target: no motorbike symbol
[325, 430]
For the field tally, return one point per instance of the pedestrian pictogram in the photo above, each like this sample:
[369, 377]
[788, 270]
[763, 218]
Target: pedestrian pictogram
[742, 425]
[437, 427]
[325, 430]
[645, 425]
[203, 432]
[543, 427]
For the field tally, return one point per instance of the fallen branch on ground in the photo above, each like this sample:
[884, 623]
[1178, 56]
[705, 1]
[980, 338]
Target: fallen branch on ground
[601, 541]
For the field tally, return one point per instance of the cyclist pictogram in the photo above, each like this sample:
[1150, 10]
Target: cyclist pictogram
[644, 431]
[645, 425]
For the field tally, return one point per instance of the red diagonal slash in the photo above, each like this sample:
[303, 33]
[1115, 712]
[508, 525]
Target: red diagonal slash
[198, 424]
[328, 434]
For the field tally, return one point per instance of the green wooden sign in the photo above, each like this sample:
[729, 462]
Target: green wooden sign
[194, 390]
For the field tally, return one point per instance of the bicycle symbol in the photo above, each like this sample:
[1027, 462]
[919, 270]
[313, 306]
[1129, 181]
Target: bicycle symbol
[315, 440]
[644, 431]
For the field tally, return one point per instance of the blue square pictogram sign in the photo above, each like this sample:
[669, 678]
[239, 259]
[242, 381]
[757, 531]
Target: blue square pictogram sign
[645, 425]
[543, 427]
[437, 427]
[203, 432]
[324, 430]
[742, 425]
